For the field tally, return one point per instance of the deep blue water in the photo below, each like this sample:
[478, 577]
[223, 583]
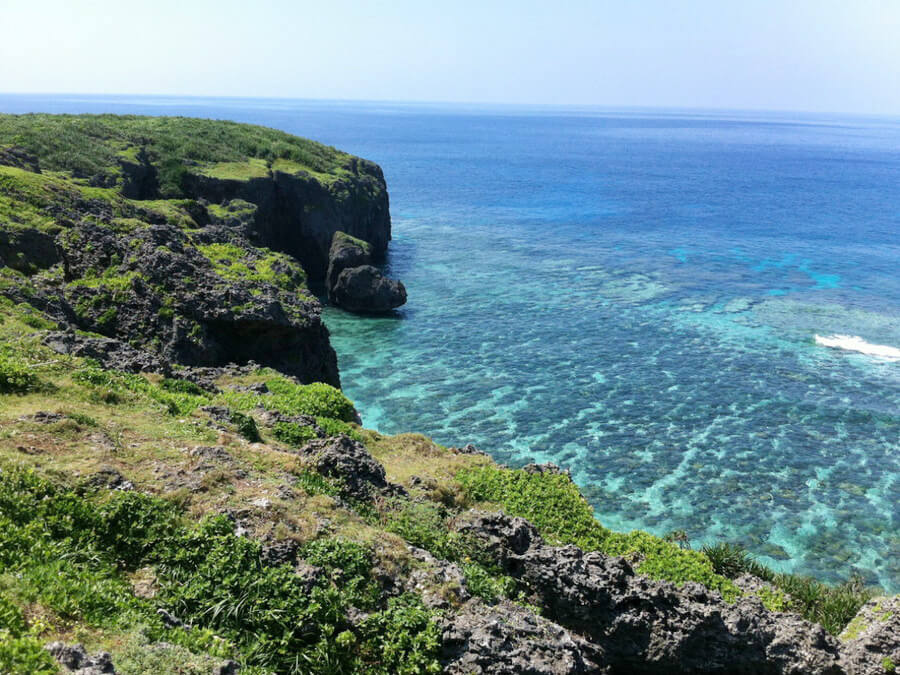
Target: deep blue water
[635, 295]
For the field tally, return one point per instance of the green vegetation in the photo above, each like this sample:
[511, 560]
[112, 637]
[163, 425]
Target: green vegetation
[90, 147]
[70, 552]
[831, 606]
[15, 376]
[342, 238]
[552, 502]
[424, 525]
[237, 264]
[288, 397]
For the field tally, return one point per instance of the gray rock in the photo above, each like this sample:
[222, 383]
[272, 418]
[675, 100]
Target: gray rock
[871, 641]
[111, 353]
[354, 284]
[634, 624]
[359, 474]
[439, 583]
[509, 639]
[366, 289]
[75, 659]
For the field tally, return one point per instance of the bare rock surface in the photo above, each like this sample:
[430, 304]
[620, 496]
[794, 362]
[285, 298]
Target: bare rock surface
[871, 641]
[509, 639]
[354, 284]
[634, 624]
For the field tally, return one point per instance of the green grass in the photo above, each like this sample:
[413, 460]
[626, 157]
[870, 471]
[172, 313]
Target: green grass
[90, 147]
[70, 550]
[288, 397]
[246, 170]
[235, 263]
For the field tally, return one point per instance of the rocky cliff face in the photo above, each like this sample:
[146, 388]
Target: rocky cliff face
[201, 254]
[321, 547]
[299, 215]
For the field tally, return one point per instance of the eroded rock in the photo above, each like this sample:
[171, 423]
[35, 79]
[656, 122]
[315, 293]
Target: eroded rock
[871, 641]
[634, 624]
[509, 639]
[359, 475]
[354, 284]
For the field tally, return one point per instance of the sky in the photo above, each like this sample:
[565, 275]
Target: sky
[808, 55]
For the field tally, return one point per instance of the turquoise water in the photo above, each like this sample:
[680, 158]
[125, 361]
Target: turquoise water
[636, 295]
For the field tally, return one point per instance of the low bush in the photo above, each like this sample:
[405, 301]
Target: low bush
[16, 377]
[69, 552]
[246, 426]
[293, 434]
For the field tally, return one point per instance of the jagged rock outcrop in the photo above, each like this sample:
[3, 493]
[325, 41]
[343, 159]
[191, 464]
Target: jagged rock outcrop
[354, 284]
[634, 624]
[508, 639]
[75, 659]
[359, 474]
[299, 215]
[871, 641]
[167, 257]
[160, 300]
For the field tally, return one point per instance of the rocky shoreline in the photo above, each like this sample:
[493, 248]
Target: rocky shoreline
[162, 352]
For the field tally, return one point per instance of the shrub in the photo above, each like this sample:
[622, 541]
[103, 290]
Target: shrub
[15, 377]
[293, 434]
[317, 399]
[403, 639]
[182, 387]
[246, 426]
[728, 560]
[831, 606]
[25, 656]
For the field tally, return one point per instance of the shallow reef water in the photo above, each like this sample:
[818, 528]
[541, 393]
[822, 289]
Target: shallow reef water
[636, 295]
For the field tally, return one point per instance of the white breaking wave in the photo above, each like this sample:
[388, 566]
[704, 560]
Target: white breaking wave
[857, 344]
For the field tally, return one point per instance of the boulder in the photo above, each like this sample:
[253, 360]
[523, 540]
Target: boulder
[354, 284]
[347, 461]
[75, 659]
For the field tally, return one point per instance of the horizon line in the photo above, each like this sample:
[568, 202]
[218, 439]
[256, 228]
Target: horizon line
[499, 104]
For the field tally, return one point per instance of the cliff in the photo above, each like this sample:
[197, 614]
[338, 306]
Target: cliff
[183, 491]
[183, 236]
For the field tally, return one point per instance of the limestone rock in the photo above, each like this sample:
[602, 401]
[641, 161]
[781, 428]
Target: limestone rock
[634, 624]
[348, 461]
[871, 641]
[354, 284]
[75, 659]
[509, 639]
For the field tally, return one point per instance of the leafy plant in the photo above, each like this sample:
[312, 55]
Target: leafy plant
[246, 426]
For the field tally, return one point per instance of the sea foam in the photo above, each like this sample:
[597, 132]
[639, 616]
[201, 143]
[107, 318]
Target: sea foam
[857, 344]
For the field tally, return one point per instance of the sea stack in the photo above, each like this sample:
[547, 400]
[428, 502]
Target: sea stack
[354, 284]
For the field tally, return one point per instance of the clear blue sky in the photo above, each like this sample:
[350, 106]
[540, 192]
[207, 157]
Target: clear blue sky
[817, 55]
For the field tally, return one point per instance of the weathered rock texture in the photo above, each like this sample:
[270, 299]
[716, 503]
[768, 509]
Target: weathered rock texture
[299, 215]
[871, 642]
[632, 624]
[168, 257]
[360, 475]
[354, 283]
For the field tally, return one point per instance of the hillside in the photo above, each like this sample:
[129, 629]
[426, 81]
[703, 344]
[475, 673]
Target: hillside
[184, 489]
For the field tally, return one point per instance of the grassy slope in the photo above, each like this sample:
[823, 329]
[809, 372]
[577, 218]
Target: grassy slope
[91, 147]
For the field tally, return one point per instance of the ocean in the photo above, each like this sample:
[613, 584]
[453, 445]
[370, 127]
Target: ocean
[696, 312]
